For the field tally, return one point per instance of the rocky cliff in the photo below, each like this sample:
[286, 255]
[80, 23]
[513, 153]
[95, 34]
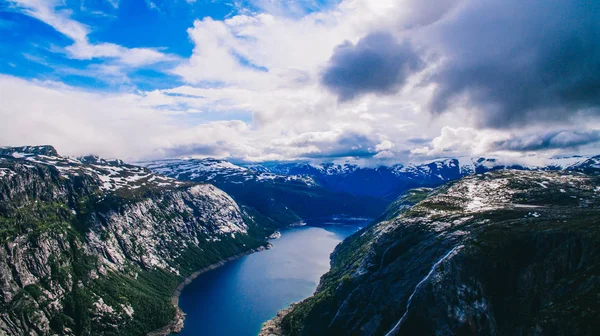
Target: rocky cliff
[500, 253]
[96, 247]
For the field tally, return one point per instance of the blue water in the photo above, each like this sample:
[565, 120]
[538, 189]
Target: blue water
[238, 297]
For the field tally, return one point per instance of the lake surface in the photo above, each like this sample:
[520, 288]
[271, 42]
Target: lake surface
[236, 298]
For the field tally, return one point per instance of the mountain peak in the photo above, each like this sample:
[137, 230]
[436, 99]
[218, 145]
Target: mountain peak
[94, 159]
[30, 150]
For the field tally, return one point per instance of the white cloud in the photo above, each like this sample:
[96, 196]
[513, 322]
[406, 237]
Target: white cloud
[76, 122]
[52, 13]
[384, 146]
[460, 141]
[265, 68]
[292, 49]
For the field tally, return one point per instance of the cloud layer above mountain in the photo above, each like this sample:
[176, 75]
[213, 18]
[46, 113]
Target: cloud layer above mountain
[374, 80]
[376, 64]
[520, 61]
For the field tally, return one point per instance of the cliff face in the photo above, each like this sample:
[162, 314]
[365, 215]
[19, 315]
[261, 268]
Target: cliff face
[89, 246]
[502, 253]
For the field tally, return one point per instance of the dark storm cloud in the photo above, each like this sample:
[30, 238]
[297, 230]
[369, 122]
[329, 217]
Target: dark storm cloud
[520, 61]
[551, 140]
[418, 141]
[378, 63]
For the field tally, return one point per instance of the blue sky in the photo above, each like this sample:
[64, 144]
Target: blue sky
[31, 48]
[28, 44]
[375, 81]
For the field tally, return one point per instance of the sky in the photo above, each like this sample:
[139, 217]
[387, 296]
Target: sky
[368, 81]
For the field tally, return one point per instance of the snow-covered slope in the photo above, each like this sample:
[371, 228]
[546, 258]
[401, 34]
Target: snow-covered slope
[565, 162]
[208, 170]
[113, 175]
[589, 166]
[391, 181]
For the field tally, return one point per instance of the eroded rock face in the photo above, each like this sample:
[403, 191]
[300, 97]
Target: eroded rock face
[502, 253]
[89, 246]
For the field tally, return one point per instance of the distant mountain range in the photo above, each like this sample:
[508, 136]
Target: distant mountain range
[283, 198]
[382, 182]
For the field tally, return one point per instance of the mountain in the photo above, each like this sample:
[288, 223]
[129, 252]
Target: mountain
[389, 182]
[97, 247]
[90, 246]
[289, 191]
[369, 181]
[589, 166]
[214, 171]
[506, 252]
[283, 198]
[373, 186]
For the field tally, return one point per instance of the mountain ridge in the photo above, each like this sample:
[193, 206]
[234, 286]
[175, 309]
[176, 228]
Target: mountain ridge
[383, 181]
[93, 246]
[503, 252]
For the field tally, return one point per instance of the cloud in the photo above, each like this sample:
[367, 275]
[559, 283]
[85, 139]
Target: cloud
[54, 14]
[268, 85]
[219, 55]
[376, 64]
[384, 145]
[565, 139]
[507, 63]
[460, 141]
[77, 122]
[531, 145]
[288, 8]
[516, 62]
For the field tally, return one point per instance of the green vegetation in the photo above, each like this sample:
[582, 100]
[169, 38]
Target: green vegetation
[34, 219]
[346, 263]
[528, 240]
[405, 201]
[148, 293]
[49, 220]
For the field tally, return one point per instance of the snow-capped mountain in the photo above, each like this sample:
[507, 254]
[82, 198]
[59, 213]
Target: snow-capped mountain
[113, 240]
[368, 181]
[288, 191]
[211, 170]
[391, 181]
[566, 162]
[113, 175]
[280, 195]
[588, 166]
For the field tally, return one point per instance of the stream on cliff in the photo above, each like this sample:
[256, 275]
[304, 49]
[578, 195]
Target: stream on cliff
[235, 299]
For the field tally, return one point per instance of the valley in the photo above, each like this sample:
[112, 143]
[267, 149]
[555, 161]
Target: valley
[238, 297]
[96, 246]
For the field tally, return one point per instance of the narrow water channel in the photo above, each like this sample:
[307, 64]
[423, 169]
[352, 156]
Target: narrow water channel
[238, 297]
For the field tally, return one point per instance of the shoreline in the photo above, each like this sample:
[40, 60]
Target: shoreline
[269, 327]
[176, 324]
[272, 327]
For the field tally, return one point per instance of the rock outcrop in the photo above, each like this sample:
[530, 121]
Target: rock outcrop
[501, 253]
[92, 247]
